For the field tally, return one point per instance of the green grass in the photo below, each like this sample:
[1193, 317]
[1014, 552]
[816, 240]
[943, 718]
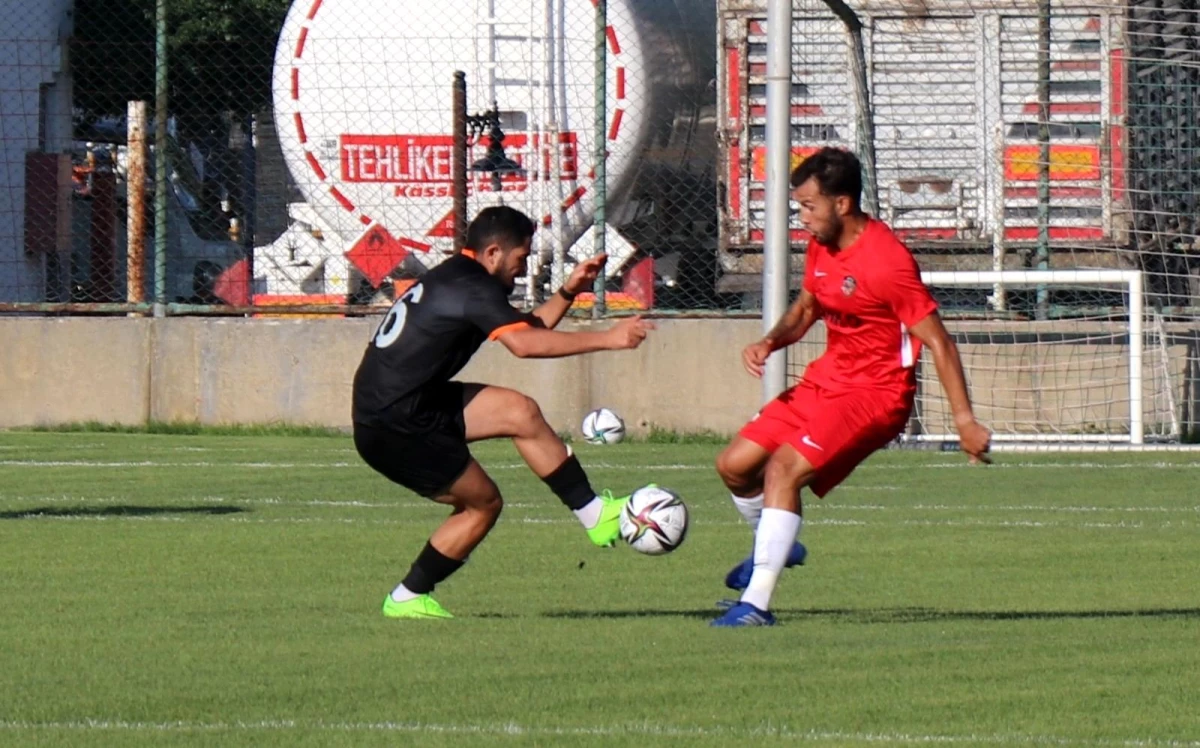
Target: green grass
[659, 435]
[187, 428]
[656, 434]
[224, 590]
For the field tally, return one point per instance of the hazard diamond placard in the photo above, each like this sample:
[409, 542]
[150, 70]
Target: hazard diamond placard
[377, 253]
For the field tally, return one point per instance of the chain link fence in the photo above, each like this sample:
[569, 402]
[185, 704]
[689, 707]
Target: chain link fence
[307, 148]
[1007, 137]
[953, 96]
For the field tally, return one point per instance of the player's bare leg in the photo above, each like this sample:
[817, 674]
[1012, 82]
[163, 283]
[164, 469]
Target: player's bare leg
[477, 504]
[497, 412]
[741, 466]
[787, 472]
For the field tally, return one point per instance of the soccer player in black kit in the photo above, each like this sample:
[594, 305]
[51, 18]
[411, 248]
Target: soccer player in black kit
[413, 425]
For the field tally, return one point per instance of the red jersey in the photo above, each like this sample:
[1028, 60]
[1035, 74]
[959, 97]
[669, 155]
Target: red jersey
[869, 294]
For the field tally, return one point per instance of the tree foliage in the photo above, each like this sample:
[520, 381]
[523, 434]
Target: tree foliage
[220, 55]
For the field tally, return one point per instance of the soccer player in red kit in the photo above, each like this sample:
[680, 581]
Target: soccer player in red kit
[866, 286]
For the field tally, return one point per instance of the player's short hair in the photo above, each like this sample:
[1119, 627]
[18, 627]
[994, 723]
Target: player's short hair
[501, 225]
[837, 171]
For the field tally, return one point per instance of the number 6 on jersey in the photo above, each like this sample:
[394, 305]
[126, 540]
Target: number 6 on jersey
[393, 323]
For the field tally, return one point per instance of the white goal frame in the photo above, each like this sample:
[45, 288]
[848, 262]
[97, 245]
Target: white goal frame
[1002, 279]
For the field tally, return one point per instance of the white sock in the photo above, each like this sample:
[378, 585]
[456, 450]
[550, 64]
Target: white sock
[589, 515]
[403, 594]
[750, 509]
[777, 532]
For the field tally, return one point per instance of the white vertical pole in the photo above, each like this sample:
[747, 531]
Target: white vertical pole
[554, 193]
[1137, 426]
[534, 143]
[1160, 332]
[558, 267]
[996, 192]
[548, 153]
[491, 58]
[776, 243]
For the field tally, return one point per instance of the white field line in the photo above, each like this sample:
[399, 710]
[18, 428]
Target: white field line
[227, 501]
[156, 464]
[266, 465]
[644, 729]
[1035, 524]
[1004, 465]
[1031, 508]
[702, 467]
[549, 504]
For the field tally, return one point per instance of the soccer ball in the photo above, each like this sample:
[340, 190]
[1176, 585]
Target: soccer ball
[602, 426]
[654, 520]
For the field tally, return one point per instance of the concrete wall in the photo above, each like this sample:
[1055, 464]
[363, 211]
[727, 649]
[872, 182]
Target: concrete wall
[686, 377]
[79, 369]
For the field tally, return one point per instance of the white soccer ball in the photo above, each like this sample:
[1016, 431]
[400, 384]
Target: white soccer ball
[602, 426]
[654, 521]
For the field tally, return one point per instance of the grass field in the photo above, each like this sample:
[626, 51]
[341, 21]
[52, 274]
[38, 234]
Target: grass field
[218, 590]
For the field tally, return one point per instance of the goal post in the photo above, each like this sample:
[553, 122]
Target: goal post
[1081, 324]
[1073, 362]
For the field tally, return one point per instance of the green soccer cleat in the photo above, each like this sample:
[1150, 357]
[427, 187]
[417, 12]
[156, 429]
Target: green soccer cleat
[422, 606]
[608, 529]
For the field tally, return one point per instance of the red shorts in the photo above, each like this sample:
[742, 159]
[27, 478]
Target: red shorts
[834, 431]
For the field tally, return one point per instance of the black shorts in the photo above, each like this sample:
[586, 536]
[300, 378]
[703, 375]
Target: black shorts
[427, 461]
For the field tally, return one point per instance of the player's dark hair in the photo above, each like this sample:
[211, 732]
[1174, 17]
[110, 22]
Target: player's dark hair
[837, 171]
[501, 225]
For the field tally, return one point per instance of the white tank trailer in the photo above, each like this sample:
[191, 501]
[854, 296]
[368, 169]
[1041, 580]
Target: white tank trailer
[364, 113]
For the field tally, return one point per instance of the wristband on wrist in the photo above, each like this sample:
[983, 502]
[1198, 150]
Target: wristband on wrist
[567, 296]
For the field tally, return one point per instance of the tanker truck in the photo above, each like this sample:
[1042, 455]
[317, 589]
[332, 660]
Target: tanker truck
[362, 100]
[363, 111]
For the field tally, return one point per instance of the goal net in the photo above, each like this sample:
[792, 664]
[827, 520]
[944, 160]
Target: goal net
[1053, 358]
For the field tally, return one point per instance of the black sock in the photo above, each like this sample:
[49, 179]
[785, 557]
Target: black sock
[430, 568]
[570, 484]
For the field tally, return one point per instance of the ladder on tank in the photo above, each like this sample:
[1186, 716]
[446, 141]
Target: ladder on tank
[515, 56]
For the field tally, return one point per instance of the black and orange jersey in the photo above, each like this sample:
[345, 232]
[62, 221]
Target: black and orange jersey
[427, 337]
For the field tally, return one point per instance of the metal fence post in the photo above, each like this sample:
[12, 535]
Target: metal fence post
[459, 167]
[865, 120]
[135, 185]
[1043, 138]
[601, 147]
[160, 158]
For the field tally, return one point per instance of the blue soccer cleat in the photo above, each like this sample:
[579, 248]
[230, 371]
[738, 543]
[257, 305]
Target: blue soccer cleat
[744, 614]
[738, 577]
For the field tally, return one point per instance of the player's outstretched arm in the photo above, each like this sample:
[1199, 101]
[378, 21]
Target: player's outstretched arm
[974, 438]
[583, 278]
[795, 323]
[538, 342]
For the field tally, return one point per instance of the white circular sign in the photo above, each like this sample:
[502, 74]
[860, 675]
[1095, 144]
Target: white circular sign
[363, 107]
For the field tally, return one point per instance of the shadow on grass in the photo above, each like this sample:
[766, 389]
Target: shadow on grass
[116, 511]
[892, 615]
